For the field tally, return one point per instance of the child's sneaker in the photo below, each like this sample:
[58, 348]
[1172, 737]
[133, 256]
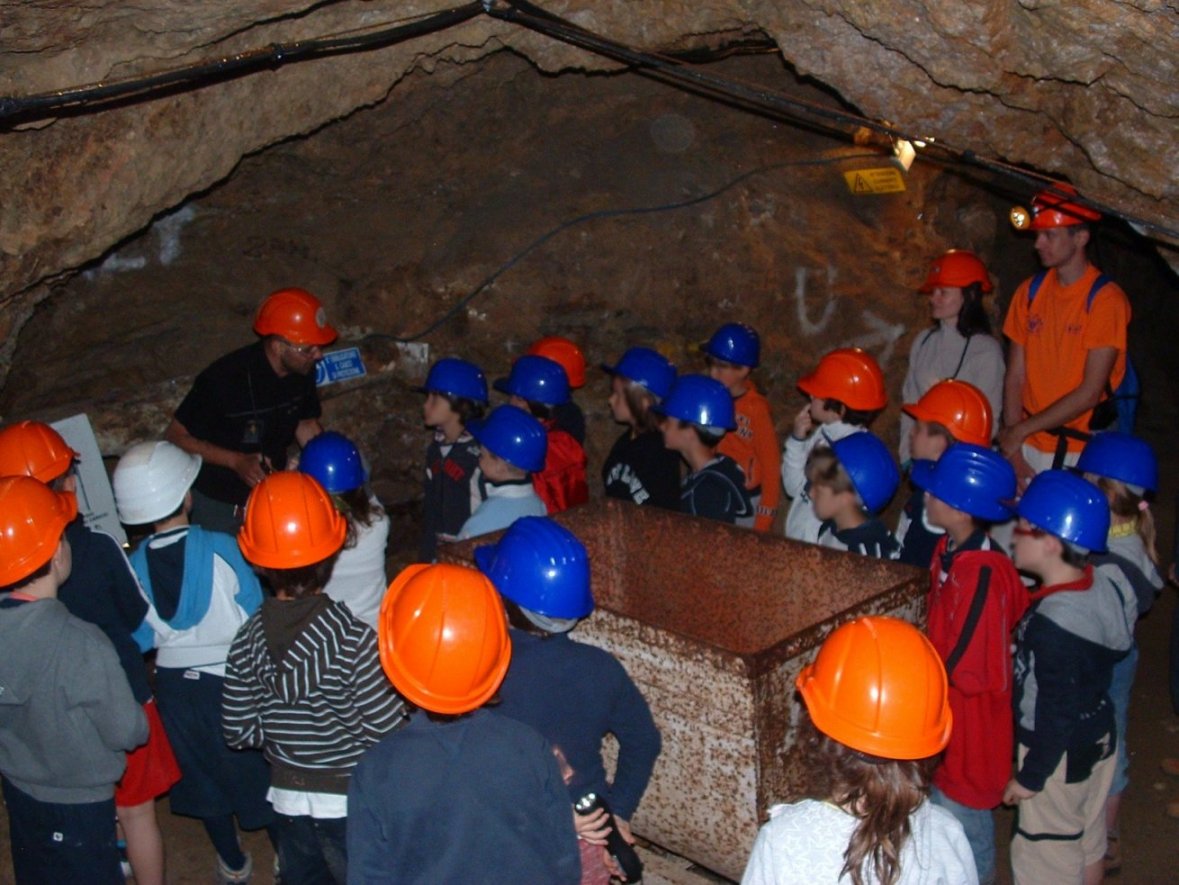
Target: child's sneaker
[226, 876]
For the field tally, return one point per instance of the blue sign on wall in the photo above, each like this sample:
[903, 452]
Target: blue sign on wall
[339, 365]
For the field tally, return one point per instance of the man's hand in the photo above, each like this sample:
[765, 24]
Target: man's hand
[249, 467]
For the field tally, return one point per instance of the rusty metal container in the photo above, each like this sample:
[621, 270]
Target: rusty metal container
[714, 623]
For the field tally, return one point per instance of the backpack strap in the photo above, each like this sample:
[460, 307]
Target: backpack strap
[1035, 284]
[972, 618]
[1098, 285]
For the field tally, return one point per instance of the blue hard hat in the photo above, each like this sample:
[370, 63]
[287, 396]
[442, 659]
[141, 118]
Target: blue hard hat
[455, 377]
[513, 435]
[969, 478]
[735, 343]
[647, 367]
[1123, 457]
[1069, 507]
[334, 462]
[699, 399]
[536, 379]
[871, 468]
[540, 566]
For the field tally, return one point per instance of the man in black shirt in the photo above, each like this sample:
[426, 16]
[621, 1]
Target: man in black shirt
[244, 411]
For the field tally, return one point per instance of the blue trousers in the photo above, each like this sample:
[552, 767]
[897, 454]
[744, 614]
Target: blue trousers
[980, 832]
[52, 842]
[312, 851]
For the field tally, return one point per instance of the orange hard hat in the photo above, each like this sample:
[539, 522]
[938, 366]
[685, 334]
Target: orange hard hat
[565, 353]
[960, 407]
[444, 637]
[290, 522]
[850, 375]
[32, 519]
[957, 268]
[1052, 208]
[297, 316]
[30, 448]
[878, 686]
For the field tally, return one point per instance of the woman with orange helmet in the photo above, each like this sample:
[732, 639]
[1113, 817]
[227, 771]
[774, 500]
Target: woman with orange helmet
[959, 344]
[879, 715]
[461, 793]
[845, 393]
[303, 680]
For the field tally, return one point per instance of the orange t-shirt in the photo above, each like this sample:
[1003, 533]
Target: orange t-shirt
[754, 446]
[1057, 332]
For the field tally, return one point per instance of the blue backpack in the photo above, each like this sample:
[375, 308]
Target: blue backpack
[1119, 409]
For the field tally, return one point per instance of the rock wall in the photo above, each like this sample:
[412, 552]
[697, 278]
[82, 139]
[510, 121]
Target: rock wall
[1084, 89]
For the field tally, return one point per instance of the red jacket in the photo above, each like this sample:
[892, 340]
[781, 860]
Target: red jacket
[562, 483]
[977, 762]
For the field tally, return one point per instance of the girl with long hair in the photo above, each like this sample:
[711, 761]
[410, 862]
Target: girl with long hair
[879, 715]
[960, 343]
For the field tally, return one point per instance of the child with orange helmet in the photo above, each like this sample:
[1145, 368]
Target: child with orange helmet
[102, 589]
[461, 791]
[199, 592]
[68, 715]
[565, 353]
[303, 681]
[845, 392]
[949, 412]
[876, 700]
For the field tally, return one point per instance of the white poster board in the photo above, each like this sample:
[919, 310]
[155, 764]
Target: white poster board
[96, 500]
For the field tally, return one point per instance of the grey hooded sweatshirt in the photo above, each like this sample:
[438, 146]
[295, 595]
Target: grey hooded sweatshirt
[67, 715]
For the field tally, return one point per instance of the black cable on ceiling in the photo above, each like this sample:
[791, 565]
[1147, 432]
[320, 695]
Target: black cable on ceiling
[60, 102]
[667, 68]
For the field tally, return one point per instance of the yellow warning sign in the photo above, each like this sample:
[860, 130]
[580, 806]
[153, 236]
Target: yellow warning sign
[883, 180]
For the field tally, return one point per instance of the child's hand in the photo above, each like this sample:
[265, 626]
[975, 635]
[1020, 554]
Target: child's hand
[803, 423]
[592, 828]
[1016, 792]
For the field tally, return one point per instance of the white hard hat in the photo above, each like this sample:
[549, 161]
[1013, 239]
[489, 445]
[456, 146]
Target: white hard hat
[151, 480]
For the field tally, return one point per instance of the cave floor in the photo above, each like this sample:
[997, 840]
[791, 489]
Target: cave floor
[1150, 840]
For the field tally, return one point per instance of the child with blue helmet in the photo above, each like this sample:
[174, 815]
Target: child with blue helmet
[456, 392]
[849, 481]
[975, 601]
[698, 412]
[539, 386]
[1124, 467]
[513, 446]
[358, 579]
[572, 693]
[732, 353]
[639, 468]
[1078, 626]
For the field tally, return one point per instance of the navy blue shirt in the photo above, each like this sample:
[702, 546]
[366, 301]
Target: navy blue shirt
[574, 694]
[474, 798]
[102, 589]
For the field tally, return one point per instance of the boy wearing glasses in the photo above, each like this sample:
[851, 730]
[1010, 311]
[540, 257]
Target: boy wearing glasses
[1079, 624]
[244, 411]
